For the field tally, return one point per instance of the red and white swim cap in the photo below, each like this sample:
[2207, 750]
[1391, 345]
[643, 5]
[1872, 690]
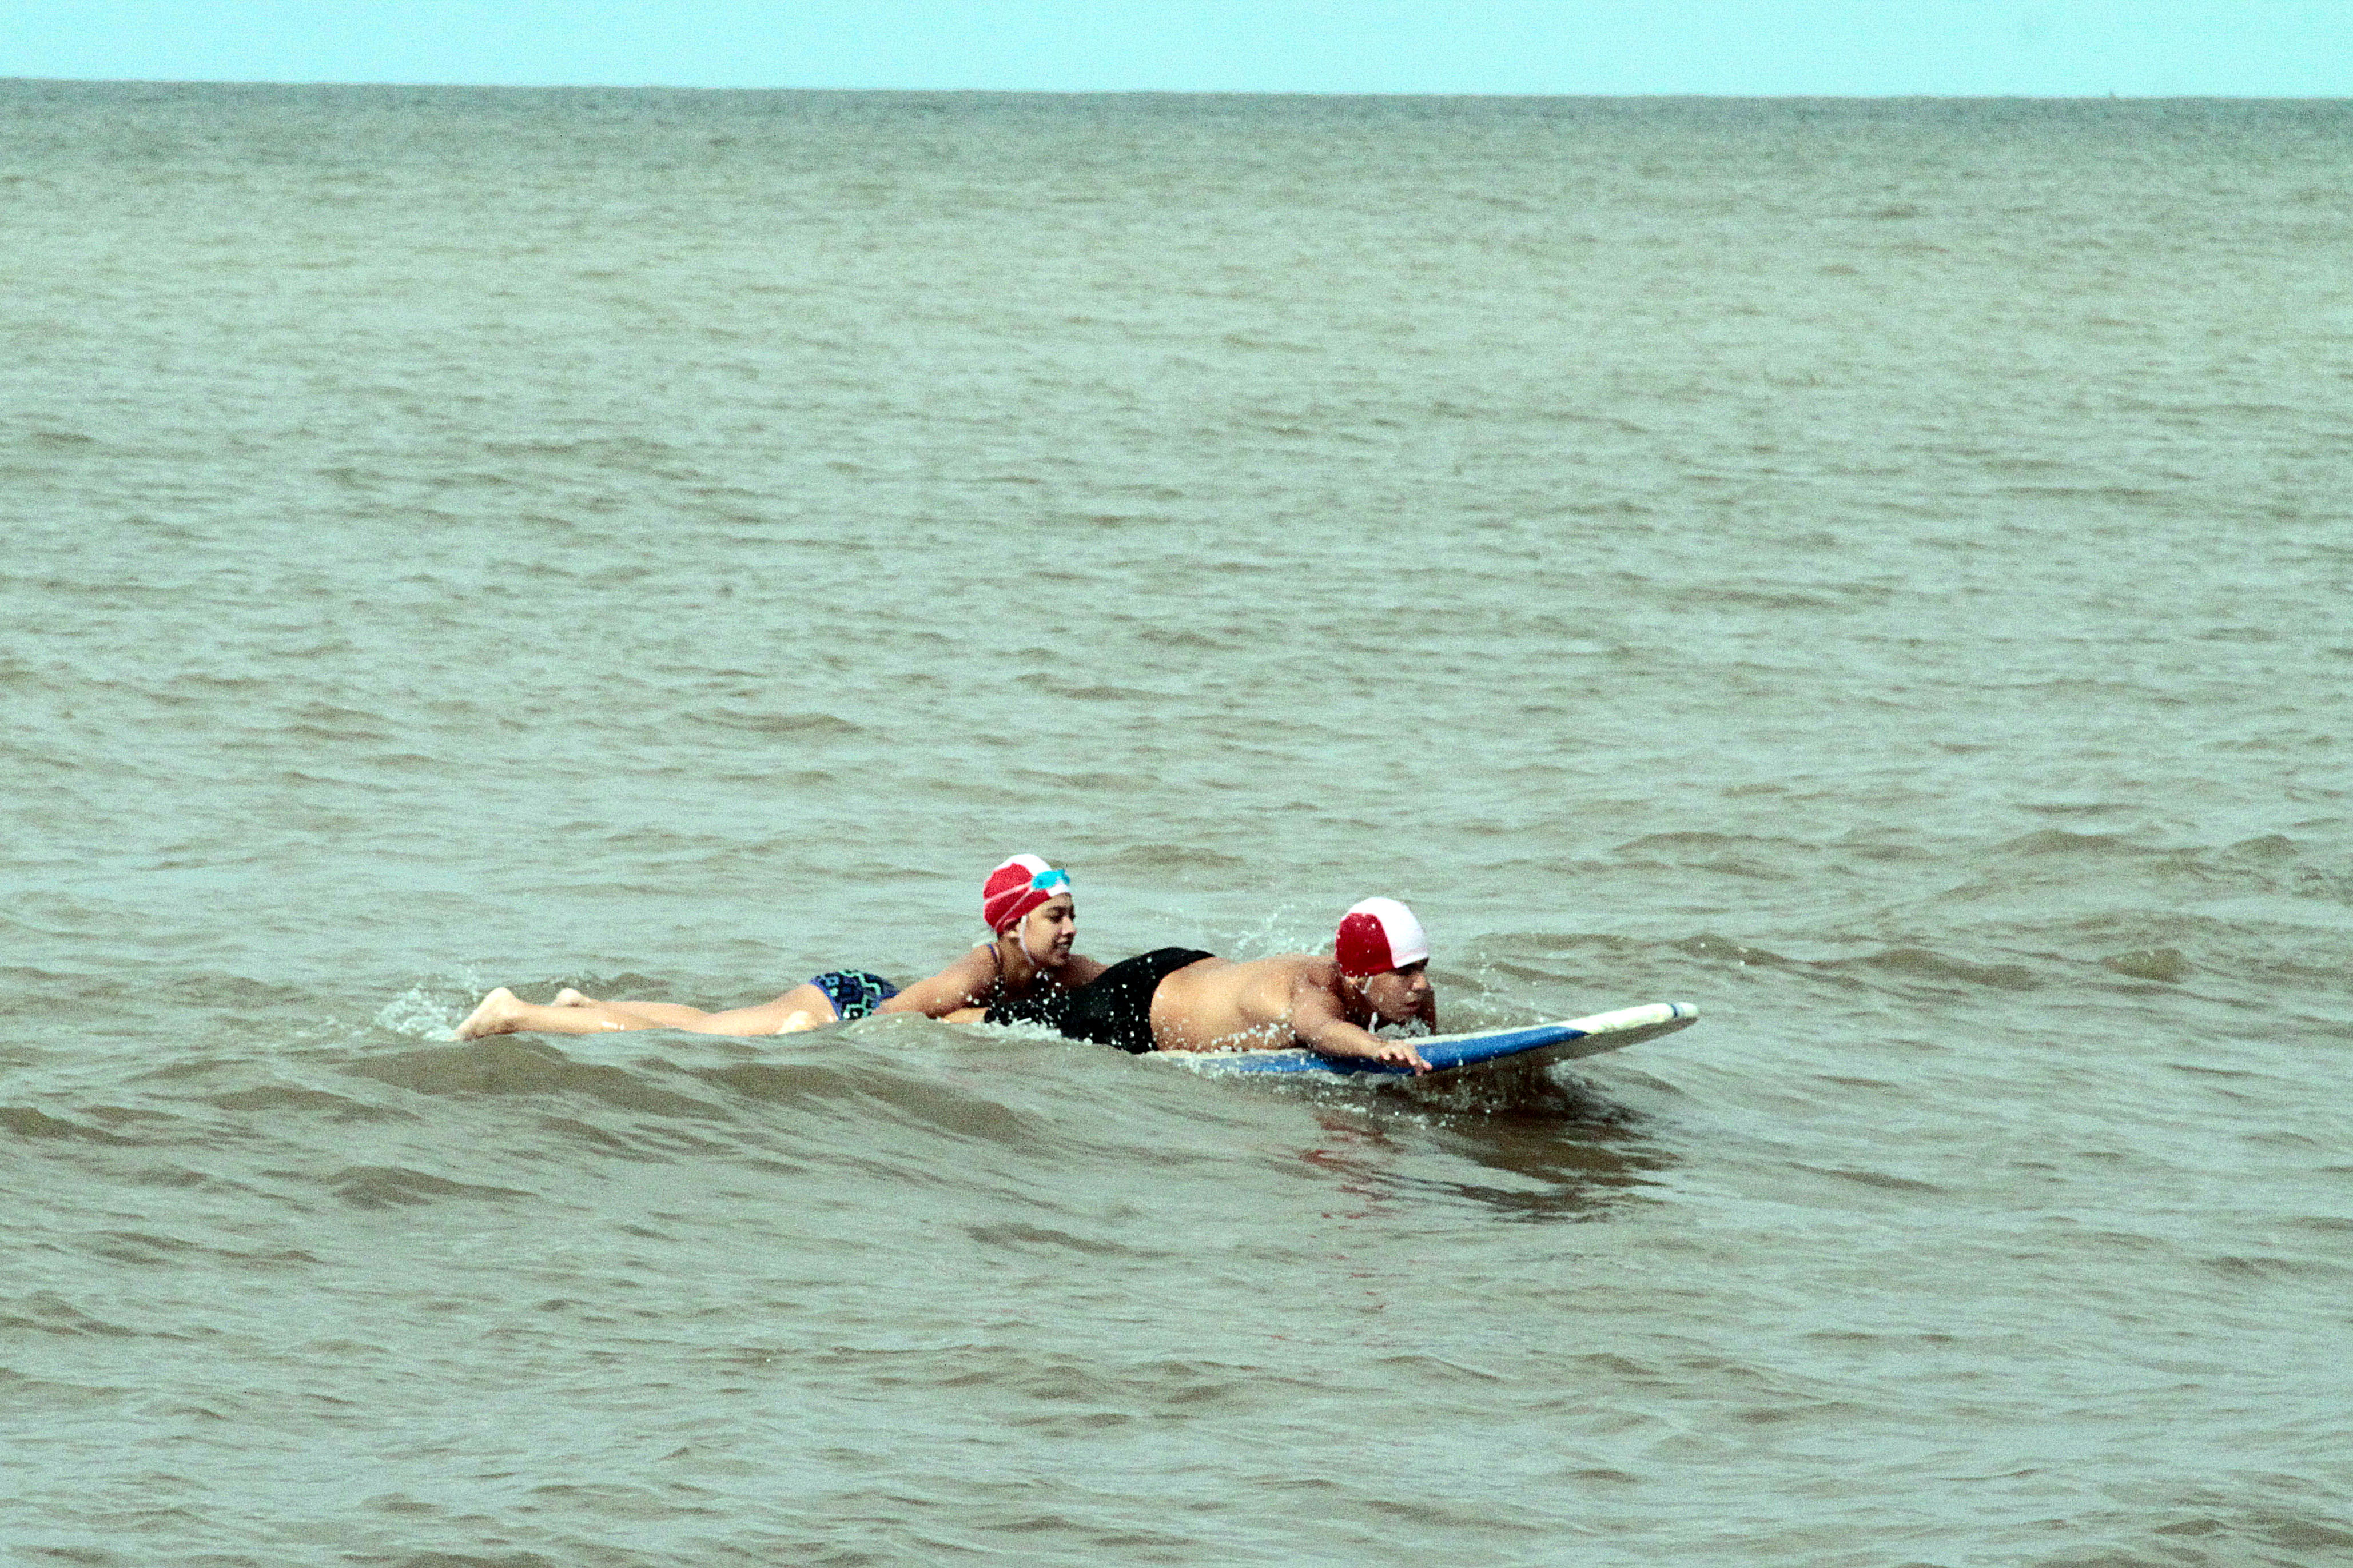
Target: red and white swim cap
[1017, 887]
[1379, 935]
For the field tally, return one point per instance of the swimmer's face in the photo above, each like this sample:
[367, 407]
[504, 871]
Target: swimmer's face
[1396, 995]
[1048, 931]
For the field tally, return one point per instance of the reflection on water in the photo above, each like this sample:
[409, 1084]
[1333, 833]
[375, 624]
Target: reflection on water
[1560, 1150]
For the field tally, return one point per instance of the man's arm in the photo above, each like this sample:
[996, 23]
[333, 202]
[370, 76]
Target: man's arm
[1315, 1019]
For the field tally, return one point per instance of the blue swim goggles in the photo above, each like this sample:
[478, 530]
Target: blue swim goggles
[1045, 880]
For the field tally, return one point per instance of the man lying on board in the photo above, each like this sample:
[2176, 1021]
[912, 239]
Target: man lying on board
[1025, 902]
[1178, 999]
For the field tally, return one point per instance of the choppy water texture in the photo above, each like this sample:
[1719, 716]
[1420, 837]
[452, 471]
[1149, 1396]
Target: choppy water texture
[1878, 571]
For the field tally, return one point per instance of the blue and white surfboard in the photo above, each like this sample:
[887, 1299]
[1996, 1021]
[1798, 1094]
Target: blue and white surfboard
[1531, 1045]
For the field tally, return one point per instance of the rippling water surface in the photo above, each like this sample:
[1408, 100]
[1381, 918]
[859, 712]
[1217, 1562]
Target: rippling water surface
[1878, 571]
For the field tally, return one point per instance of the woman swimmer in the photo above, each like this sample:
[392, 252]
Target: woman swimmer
[1025, 902]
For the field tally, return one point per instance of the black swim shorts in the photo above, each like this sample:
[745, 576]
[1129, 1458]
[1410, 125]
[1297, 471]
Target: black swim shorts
[1115, 1008]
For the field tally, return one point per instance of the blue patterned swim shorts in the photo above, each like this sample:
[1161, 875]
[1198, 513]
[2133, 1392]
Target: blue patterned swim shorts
[854, 993]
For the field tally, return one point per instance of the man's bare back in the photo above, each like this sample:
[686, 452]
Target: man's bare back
[1182, 999]
[1216, 1004]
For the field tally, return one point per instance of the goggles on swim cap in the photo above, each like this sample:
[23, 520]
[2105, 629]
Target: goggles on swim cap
[1018, 885]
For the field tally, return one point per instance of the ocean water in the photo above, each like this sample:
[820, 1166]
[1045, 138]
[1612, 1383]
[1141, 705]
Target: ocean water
[1881, 571]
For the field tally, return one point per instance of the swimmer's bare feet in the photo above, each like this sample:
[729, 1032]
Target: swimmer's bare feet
[568, 997]
[500, 1011]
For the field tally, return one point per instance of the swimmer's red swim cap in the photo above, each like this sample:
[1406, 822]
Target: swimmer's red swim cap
[1017, 887]
[1379, 935]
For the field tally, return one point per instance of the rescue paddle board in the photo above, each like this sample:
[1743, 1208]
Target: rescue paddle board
[1528, 1045]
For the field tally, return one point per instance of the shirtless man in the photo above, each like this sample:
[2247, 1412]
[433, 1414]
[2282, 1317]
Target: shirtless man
[1178, 999]
[1026, 903]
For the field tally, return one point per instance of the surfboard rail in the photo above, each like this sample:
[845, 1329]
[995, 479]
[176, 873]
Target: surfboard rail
[1527, 1044]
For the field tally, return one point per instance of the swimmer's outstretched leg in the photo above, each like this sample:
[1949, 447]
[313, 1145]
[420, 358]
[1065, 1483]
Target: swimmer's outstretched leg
[499, 1013]
[504, 1013]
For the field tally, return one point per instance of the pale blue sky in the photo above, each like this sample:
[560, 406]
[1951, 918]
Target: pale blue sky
[2034, 48]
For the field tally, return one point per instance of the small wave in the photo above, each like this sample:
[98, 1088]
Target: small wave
[1736, 855]
[2328, 1224]
[1761, 599]
[1037, 1239]
[506, 1064]
[2267, 863]
[1547, 942]
[1076, 691]
[2160, 963]
[1884, 1180]
[1687, 839]
[2077, 808]
[1168, 857]
[909, 1097]
[25, 1122]
[604, 1140]
[2058, 841]
[47, 1312]
[1186, 637]
[1095, 780]
[630, 452]
[1925, 964]
[24, 1394]
[802, 726]
[2250, 1266]
[287, 1097]
[1724, 950]
[138, 1248]
[1549, 1098]
[395, 1186]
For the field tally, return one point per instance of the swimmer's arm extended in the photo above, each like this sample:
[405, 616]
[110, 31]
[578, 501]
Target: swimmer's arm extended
[964, 983]
[1315, 1019]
